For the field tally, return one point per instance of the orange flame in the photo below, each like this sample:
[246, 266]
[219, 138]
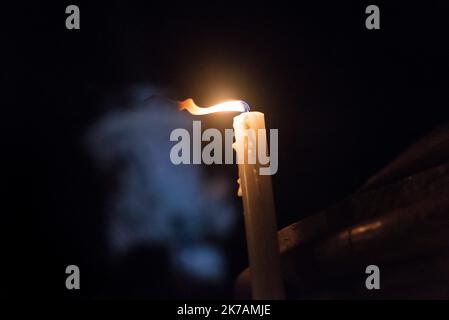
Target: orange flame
[233, 105]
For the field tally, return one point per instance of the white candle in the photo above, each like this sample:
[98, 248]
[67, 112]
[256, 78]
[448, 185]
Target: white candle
[258, 206]
[257, 194]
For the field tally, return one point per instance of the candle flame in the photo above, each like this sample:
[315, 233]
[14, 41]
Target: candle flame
[233, 106]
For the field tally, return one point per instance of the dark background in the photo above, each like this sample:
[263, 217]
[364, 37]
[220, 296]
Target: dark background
[346, 101]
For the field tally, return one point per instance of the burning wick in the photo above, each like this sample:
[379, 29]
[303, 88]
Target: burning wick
[256, 192]
[233, 105]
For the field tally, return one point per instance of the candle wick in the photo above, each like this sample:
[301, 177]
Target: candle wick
[246, 106]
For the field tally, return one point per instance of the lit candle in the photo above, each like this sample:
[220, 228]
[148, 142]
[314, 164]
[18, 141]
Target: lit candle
[256, 192]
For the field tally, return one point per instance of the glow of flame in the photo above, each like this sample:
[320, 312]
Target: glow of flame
[233, 106]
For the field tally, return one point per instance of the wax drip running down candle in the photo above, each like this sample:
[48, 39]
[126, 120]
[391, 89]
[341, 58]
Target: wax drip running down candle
[256, 192]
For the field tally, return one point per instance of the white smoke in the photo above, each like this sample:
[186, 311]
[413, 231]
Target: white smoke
[155, 200]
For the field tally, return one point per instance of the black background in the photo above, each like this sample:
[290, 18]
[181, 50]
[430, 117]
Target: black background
[346, 101]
